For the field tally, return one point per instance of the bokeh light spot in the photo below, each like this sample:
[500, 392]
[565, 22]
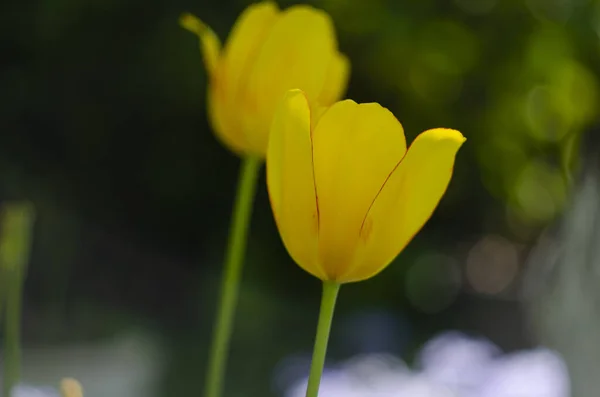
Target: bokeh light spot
[543, 120]
[540, 191]
[492, 265]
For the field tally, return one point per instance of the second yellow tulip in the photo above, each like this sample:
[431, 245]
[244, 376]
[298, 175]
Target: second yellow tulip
[268, 52]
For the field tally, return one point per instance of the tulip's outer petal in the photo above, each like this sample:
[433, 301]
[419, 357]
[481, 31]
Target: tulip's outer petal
[210, 45]
[230, 78]
[316, 111]
[244, 43]
[355, 147]
[296, 54]
[290, 181]
[221, 119]
[406, 201]
[336, 81]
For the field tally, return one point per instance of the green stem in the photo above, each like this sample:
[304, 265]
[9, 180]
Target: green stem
[330, 292]
[16, 229]
[3, 285]
[12, 322]
[230, 285]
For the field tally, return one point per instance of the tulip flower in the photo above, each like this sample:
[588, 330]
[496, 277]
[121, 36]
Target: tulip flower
[268, 52]
[347, 195]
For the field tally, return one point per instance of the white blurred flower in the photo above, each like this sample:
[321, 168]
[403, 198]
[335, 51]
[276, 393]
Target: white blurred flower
[457, 361]
[450, 365]
[341, 384]
[420, 386]
[537, 373]
[374, 375]
[69, 387]
[32, 391]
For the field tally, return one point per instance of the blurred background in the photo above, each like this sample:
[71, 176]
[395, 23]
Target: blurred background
[103, 127]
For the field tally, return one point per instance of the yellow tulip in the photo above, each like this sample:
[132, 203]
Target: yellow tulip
[268, 52]
[346, 194]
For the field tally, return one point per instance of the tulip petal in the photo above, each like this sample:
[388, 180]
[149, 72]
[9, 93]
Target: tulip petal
[336, 80]
[244, 43]
[210, 45]
[355, 147]
[406, 201]
[296, 54]
[290, 181]
[219, 114]
[228, 80]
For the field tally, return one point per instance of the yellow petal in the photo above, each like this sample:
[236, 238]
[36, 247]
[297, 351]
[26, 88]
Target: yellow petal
[290, 181]
[229, 72]
[210, 46]
[407, 200]
[336, 80]
[221, 121]
[244, 42]
[316, 111]
[296, 54]
[355, 148]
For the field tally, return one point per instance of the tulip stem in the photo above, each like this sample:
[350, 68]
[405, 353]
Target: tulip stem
[12, 321]
[3, 285]
[328, 299]
[230, 282]
[15, 244]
